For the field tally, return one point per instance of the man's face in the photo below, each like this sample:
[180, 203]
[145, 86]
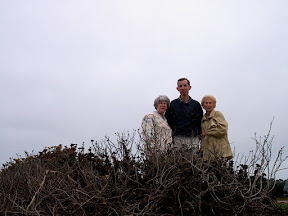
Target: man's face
[183, 87]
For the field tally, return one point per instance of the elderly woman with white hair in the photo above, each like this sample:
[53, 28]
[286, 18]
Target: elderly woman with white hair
[157, 134]
[214, 142]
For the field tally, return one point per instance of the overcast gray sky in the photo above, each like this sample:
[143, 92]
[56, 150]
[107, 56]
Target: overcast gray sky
[72, 71]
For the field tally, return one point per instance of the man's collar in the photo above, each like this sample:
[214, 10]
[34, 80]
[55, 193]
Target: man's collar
[184, 101]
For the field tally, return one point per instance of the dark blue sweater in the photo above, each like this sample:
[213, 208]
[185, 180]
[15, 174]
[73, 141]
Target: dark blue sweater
[185, 118]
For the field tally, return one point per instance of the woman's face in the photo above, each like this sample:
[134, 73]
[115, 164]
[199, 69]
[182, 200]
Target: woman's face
[161, 107]
[208, 105]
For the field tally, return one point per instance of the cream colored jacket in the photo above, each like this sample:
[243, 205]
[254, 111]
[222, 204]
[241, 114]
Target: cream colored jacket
[156, 132]
[215, 143]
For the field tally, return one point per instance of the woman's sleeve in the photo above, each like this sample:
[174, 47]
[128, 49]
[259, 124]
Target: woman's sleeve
[219, 126]
[148, 129]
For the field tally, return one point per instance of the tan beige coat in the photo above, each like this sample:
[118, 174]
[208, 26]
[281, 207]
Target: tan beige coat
[215, 143]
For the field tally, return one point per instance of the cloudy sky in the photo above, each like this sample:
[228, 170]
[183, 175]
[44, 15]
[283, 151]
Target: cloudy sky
[72, 71]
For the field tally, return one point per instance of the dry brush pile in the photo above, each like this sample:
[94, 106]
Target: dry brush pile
[109, 179]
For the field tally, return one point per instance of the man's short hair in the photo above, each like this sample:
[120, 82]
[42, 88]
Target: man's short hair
[181, 79]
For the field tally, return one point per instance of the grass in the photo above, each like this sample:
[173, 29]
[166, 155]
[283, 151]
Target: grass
[282, 206]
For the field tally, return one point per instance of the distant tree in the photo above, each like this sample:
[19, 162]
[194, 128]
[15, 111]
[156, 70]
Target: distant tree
[278, 188]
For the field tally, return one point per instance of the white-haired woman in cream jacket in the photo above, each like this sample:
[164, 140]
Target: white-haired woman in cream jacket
[157, 134]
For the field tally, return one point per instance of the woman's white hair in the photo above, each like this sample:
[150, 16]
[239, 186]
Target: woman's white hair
[209, 97]
[160, 99]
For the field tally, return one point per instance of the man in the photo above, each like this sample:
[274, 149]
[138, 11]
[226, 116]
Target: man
[184, 117]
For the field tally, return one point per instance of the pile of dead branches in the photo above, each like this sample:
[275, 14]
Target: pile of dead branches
[112, 179]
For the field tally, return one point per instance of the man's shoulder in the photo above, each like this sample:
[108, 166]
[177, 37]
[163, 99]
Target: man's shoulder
[191, 101]
[194, 101]
[176, 100]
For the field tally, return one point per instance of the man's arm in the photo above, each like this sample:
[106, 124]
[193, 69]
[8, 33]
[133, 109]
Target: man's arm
[198, 118]
[171, 118]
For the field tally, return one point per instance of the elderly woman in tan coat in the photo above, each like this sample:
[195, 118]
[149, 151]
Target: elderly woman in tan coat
[214, 142]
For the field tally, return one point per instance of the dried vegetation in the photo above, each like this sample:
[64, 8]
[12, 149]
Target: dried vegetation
[111, 179]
